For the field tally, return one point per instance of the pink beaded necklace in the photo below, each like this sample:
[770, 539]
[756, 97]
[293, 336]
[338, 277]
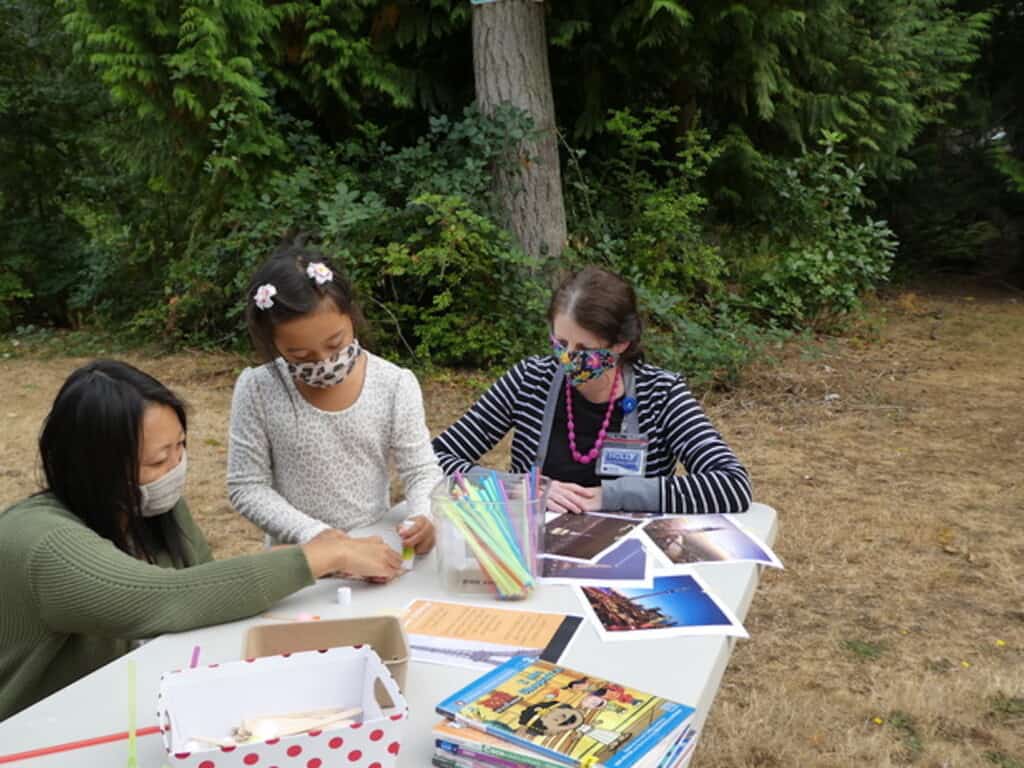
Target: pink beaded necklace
[593, 452]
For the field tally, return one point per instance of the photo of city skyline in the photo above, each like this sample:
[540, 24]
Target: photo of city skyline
[689, 539]
[677, 604]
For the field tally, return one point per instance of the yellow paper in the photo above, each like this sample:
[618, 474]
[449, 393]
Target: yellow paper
[527, 629]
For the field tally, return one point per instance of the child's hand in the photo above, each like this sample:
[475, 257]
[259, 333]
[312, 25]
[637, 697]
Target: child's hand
[418, 533]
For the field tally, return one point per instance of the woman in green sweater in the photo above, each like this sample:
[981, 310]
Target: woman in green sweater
[108, 553]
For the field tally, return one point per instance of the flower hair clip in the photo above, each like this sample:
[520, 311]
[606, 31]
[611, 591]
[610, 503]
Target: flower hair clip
[264, 297]
[319, 271]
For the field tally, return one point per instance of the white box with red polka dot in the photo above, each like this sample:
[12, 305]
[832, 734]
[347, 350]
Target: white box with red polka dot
[208, 702]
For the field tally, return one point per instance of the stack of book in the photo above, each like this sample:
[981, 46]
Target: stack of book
[533, 713]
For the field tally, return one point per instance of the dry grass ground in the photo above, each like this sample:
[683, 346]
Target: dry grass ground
[896, 633]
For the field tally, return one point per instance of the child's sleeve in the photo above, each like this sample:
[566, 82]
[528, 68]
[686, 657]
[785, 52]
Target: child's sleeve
[410, 442]
[250, 470]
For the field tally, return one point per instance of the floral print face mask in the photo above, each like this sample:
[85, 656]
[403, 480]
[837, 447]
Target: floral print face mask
[329, 372]
[583, 365]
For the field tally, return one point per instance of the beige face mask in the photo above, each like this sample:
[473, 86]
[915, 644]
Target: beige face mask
[161, 495]
[329, 372]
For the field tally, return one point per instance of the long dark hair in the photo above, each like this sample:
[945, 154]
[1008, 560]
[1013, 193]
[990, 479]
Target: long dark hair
[89, 448]
[297, 295]
[603, 303]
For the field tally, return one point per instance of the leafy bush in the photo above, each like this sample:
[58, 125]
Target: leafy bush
[711, 347]
[815, 252]
[455, 287]
[48, 155]
[642, 210]
[642, 214]
[440, 279]
[12, 289]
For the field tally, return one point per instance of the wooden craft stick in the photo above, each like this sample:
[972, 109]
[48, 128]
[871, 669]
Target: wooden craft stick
[286, 725]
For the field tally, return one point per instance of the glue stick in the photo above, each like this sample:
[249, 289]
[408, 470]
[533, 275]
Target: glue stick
[408, 553]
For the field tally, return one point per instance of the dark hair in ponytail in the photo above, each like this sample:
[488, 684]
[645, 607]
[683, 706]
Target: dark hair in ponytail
[603, 303]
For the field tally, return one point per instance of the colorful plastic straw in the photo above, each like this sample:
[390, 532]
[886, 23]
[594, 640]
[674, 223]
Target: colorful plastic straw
[95, 741]
[131, 735]
[480, 519]
[133, 753]
[481, 512]
[503, 582]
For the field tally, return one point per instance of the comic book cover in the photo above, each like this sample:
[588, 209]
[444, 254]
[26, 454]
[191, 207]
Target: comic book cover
[578, 719]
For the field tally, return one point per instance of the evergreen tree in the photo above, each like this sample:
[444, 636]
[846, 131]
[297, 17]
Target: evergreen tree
[768, 76]
[49, 162]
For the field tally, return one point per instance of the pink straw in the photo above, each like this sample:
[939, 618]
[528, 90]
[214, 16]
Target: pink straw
[17, 757]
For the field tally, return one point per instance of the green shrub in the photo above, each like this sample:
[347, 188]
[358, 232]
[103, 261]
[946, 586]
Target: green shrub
[12, 290]
[454, 287]
[440, 280]
[642, 214]
[711, 347]
[816, 252]
[642, 211]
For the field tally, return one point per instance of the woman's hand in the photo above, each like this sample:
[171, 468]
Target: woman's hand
[570, 497]
[368, 558]
[417, 532]
[373, 559]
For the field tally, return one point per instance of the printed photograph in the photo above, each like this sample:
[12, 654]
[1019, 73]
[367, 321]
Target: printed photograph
[678, 604]
[625, 565]
[584, 537]
[688, 539]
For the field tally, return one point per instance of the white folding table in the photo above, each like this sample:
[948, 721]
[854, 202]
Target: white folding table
[686, 669]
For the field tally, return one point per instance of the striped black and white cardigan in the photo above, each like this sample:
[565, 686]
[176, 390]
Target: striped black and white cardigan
[524, 399]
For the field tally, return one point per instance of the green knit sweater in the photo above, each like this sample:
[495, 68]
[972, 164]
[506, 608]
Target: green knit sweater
[70, 601]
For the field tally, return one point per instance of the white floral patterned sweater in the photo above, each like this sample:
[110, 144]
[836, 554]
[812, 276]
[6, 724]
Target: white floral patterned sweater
[295, 470]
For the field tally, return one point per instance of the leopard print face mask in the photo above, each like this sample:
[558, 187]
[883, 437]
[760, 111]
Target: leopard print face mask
[329, 372]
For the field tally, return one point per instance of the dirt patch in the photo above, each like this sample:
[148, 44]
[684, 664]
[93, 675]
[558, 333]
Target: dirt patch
[895, 635]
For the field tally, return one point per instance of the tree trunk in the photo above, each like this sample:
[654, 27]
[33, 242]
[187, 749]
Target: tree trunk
[510, 65]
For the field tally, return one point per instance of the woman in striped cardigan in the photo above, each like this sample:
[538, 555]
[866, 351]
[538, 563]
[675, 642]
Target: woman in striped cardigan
[595, 393]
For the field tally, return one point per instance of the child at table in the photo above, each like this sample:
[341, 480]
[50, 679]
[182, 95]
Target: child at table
[313, 428]
[108, 552]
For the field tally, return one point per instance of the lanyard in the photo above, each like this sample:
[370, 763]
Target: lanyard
[630, 421]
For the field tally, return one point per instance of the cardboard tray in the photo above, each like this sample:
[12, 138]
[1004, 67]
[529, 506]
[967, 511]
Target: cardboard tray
[384, 634]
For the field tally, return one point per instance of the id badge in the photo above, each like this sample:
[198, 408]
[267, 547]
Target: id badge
[623, 455]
